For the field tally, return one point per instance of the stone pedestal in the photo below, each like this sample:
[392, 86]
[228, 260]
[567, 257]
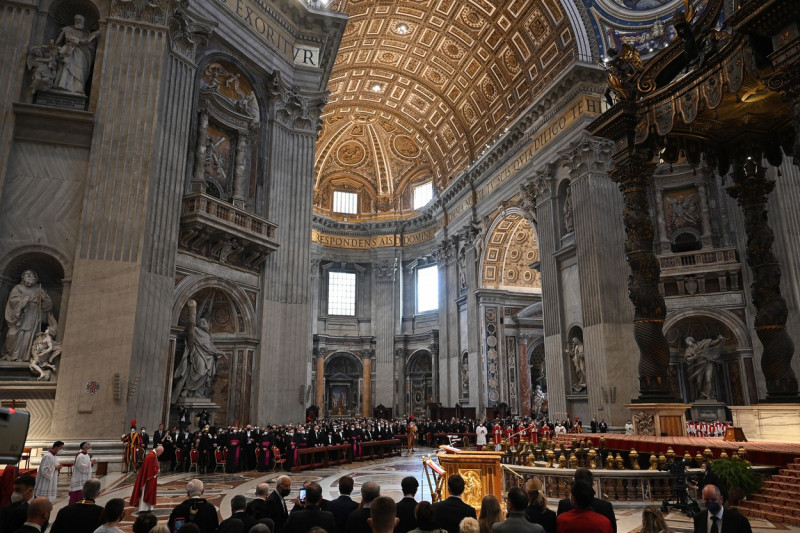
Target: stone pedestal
[56, 98]
[772, 422]
[668, 419]
[708, 410]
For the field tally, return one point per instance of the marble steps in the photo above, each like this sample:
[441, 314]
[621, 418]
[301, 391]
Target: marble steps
[777, 501]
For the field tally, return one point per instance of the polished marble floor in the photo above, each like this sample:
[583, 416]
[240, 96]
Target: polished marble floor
[220, 488]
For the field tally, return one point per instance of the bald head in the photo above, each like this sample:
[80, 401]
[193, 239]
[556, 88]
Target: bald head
[39, 510]
[262, 489]
[712, 493]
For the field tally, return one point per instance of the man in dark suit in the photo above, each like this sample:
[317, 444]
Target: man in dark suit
[515, 521]
[239, 519]
[39, 511]
[406, 506]
[717, 519]
[451, 511]
[311, 515]
[13, 515]
[342, 506]
[598, 506]
[275, 507]
[195, 509]
[357, 521]
[257, 507]
[82, 516]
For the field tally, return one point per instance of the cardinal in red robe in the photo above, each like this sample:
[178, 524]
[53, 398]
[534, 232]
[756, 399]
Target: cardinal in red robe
[145, 489]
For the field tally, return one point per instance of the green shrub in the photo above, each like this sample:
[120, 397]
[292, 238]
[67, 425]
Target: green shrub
[737, 475]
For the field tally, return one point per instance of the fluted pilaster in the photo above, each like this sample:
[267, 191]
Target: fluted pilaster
[15, 28]
[119, 285]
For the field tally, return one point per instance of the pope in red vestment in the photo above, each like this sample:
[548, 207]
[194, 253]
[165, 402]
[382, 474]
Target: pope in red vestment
[145, 489]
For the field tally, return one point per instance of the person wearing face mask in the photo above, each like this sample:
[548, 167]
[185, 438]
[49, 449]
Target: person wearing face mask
[81, 472]
[47, 475]
[38, 515]
[717, 519]
[275, 507]
[13, 515]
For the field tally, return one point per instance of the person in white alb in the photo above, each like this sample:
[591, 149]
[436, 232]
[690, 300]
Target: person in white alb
[47, 475]
[480, 436]
[81, 473]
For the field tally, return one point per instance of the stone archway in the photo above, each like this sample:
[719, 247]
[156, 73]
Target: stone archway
[512, 246]
[49, 269]
[730, 362]
[230, 317]
[419, 383]
[343, 374]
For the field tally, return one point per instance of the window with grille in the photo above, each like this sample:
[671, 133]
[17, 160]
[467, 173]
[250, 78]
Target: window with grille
[345, 202]
[342, 293]
[423, 194]
[427, 289]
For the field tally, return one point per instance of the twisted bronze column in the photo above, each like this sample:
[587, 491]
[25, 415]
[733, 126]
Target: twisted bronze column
[750, 189]
[632, 176]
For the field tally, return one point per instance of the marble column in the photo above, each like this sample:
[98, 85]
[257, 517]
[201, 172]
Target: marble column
[663, 238]
[750, 189]
[632, 173]
[477, 388]
[240, 175]
[448, 322]
[549, 239]
[383, 303]
[198, 183]
[705, 218]
[366, 409]
[524, 373]
[320, 396]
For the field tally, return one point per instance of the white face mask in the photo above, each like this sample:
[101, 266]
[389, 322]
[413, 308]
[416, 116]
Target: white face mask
[17, 497]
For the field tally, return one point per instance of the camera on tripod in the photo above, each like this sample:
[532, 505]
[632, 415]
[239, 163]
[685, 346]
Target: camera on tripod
[679, 497]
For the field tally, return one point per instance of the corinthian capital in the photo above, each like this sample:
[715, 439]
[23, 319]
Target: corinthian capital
[187, 34]
[294, 108]
[588, 154]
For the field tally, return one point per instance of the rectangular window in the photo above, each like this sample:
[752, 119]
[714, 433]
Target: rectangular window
[342, 293]
[423, 194]
[427, 289]
[345, 202]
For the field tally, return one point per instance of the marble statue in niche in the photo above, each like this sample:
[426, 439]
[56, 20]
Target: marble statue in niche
[465, 376]
[75, 56]
[569, 221]
[579, 361]
[66, 63]
[198, 364]
[701, 356]
[540, 401]
[27, 308]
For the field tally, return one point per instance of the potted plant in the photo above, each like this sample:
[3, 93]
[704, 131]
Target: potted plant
[738, 477]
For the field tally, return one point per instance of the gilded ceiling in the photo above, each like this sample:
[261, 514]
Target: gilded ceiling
[421, 87]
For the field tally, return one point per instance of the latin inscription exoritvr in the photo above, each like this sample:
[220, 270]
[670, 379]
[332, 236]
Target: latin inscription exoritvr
[254, 16]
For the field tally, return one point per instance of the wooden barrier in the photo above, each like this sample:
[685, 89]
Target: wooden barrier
[322, 456]
[379, 449]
